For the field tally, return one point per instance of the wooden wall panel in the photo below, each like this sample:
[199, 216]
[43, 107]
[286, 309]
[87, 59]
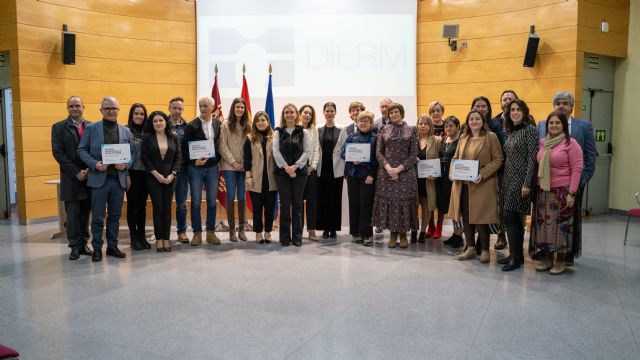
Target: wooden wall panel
[175, 10]
[591, 13]
[38, 209]
[8, 37]
[610, 44]
[435, 10]
[38, 163]
[8, 13]
[36, 189]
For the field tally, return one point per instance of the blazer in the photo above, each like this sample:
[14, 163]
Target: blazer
[152, 159]
[90, 152]
[254, 169]
[64, 146]
[338, 163]
[193, 132]
[582, 131]
[433, 149]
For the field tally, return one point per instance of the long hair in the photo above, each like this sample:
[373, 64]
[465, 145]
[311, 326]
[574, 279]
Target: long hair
[256, 135]
[489, 112]
[312, 123]
[243, 121]
[466, 131]
[427, 119]
[283, 123]
[137, 129]
[565, 124]
[526, 119]
[148, 126]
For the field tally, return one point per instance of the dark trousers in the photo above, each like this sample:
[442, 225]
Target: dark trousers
[77, 221]
[137, 202]
[576, 238]
[360, 207]
[263, 203]
[161, 198]
[514, 224]
[311, 196]
[109, 197]
[182, 190]
[291, 191]
[470, 229]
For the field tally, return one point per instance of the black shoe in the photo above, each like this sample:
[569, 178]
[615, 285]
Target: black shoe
[325, 234]
[538, 255]
[332, 234]
[285, 244]
[297, 244]
[115, 252]
[75, 252]
[450, 240]
[143, 241]
[367, 242]
[135, 243]
[514, 263]
[422, 238]
[97, 255]
[456, 241]
[568, 259]
[84, 249]
[504, 260]
[414, 236]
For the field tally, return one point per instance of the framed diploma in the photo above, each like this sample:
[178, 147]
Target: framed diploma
[115, 153]
[357, 152]
[201, 149]
[466, 170]
[429, 168]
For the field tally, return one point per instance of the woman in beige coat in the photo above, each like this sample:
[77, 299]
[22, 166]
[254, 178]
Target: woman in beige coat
[260, 180]
[428, 148]
[477, 201]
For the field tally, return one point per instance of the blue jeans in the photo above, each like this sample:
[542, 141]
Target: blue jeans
[110, 198]
[208, 176]
[182, 189]
[234, 181]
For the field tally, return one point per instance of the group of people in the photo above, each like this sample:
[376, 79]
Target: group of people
[523, 169]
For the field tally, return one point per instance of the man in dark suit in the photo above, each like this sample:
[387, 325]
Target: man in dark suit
[107, 182]
[582, 131]
[384, 119]
[65, 137]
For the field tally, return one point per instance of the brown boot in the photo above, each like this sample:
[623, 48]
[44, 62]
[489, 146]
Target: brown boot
[231, 219]
[196, 239]
[468, 253]
[182, 237]
[546, 263]
[485, 257]
[404, 243]
[393, 238]
[242, 208]
[559, 266]
[212, 238]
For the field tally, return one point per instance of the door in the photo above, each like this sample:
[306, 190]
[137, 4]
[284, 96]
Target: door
[6, 149]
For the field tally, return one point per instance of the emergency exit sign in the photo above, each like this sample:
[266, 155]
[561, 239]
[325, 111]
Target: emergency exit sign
[601, 135]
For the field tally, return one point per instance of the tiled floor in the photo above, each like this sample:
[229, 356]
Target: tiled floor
[322, 301]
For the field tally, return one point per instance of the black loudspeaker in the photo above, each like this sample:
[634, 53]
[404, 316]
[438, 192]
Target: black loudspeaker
[532, 51]
[68, 48]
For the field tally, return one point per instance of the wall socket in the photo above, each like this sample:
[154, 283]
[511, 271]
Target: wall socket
[463, 44]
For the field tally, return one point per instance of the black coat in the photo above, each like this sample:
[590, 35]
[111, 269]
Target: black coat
[64, 146]
[152, 159]
[193, 132]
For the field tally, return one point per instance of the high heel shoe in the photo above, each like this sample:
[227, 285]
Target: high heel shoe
[159, 245]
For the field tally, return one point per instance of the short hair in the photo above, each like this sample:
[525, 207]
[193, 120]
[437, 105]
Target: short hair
[356, 104]
[564, 95]
[256, 135]
[283, 122]
[132, 125]
[394, 106]
[508, 91]
[149, 124]
[76, 97]
[366, 114]
[434, 104]
[312, 123]
[208, 99]
[453, 120]
[426, 118]
[110, 99]
[387, 100]
[467, 129]
[177, 98]
[563, 119]
[329, 104]
[526, 119]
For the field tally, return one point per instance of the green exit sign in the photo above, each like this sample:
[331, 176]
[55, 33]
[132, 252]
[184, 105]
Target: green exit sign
[601, 135]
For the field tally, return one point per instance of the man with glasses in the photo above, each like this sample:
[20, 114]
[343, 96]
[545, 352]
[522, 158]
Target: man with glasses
[107, 182]
[384, 119]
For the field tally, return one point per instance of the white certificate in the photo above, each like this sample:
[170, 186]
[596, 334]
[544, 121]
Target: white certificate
[429, 168]
[201, 149]
[115, 153]
[464, 169]
[357, 152]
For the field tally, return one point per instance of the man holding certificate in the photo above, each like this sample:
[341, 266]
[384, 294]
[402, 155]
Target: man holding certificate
[106, 148]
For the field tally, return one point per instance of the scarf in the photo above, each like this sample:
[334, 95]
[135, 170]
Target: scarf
[544, 171]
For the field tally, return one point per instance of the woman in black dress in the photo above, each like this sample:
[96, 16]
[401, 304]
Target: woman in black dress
[330, 175]
[443, 183]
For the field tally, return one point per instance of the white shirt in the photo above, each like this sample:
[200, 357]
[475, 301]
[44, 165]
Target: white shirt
[207, 127]
[569, 124]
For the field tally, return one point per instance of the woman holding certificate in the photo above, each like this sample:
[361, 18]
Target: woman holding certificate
[261, 183]
[137, 193]
[360, 170]
[560, 166]
[233, 134]
[162, 159]
[394, 206]
[330, 175]
[291, 153]
[519, 165]
[475, 184]
[428, 148]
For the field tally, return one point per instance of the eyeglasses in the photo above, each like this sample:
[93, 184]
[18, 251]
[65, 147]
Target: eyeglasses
[110, 109]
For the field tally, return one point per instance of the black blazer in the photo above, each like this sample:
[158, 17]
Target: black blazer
[151, 154]
[64, 146]
[193, 132]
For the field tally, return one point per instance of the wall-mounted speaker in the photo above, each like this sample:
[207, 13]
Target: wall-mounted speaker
[532, 49]
[68, 48]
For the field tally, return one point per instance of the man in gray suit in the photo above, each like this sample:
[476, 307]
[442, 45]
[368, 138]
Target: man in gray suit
[582, 131]
[65, 137]
[107, 182]
[384, 119]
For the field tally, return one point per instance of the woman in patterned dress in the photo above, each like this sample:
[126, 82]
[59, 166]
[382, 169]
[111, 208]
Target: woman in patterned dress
[560, 166]
[394, 206]
[519, 166]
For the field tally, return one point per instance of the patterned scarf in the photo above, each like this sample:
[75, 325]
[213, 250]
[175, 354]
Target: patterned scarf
[544, 170]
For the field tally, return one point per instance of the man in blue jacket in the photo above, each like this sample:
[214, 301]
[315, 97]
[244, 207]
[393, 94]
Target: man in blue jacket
[582, 131]
[107, 182]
